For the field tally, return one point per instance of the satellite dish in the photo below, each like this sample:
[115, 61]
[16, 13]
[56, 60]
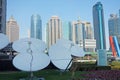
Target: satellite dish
[23, 62]
[60, 56]
[70, 46]
[3, 40]
[65, 43]
[23, 45]
[77, 51]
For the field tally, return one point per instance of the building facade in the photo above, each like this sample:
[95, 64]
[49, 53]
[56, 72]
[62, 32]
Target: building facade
[76, 32]
[99, 28]
[65, 30]
[81, 33]
[90, 45]
[88, 30]
[53, 30]
[12, 30]
[119, 12]
[3, 4]
[36, 27]
[114, 26]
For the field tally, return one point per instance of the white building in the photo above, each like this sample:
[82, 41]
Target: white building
[90, 45]
[54, 30]
[12, 29]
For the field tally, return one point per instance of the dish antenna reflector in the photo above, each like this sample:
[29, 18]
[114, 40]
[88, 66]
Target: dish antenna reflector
[23, 61]
[59, 56]
[33, 57]
[23, 45]
[74, 49]
[66, 49]
[77, 51]
[65, 43]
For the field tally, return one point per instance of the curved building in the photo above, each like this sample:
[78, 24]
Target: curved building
[99, 27]
[36, 27]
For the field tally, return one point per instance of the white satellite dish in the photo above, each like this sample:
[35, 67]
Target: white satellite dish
[70, 46]
[65, 43]
[23, 45]
[23, 62]
[3, 40]
[77, 51]
[60, 56]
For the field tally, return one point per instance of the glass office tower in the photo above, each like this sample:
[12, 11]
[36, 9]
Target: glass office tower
[99, 28]
[119, 12]
[65, 30]
[99, 34]
[3, 4]
[114, 26]
[36, 27]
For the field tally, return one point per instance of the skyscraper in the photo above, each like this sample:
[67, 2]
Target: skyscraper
[36, 27]
[119, 12]
[12, 30]
[76, 32]
[65, 30]
[81, 33]
[54, 30]
[99, 28]
[114, 26]
[3, 16]
[88, 30]
[80, 30]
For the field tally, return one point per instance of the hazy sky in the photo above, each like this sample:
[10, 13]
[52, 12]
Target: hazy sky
[67, 10]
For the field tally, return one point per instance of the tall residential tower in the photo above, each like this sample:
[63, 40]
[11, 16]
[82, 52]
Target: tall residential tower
[76, 32]
[81, 33]
[54, 30]
[12, 30]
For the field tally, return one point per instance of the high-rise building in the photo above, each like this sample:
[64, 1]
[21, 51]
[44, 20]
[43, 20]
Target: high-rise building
[81, 33]
[119, 12]
[3, 4]
[76, 32]
[114, 26]
[65, 30]
[54, 30]
[89, 43]
[12, 30]
[99, 28]
[119, 27]
[88, 30]
[80, 30]
[36, 27]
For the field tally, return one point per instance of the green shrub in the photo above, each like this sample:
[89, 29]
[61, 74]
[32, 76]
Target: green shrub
[114, 63]
[103, 67]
